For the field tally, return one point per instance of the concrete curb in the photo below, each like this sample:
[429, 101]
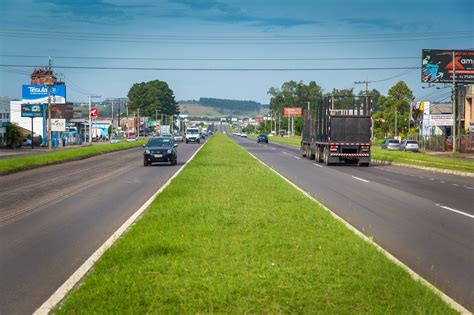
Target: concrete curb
[425, 168]
[82, 271]
[455, 305]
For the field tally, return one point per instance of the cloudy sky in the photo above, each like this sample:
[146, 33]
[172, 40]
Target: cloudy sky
[219, 34]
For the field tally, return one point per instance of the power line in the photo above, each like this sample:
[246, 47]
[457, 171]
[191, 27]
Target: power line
[220, 69]
[210, 59]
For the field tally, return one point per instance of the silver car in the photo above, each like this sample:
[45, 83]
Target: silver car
[410, 145]
[391, 144]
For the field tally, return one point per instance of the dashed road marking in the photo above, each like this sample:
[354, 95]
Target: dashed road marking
[297, 157]
[432, 179]
[455, 185]
[457, 211]
[467, 187]
[361, 179]
[317, 165]
[442, 182]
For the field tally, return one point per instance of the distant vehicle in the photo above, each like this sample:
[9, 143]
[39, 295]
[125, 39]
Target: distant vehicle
[167, 135]
[409, 145]
[192, 135]
[338, 131]
[26, 142]
[160, 150]
[204, 135]
[237, 134]
[262, 138]
[243, 135]
[464, 142]
[391, 144]
[115, 140]
[178, 137]
[131, 139]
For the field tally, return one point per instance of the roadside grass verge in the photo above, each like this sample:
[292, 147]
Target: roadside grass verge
[293, 140]
[18, 163]
[422, 159]
[229, 236]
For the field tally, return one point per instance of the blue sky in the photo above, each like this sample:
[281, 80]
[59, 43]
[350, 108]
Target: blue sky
[30, 27]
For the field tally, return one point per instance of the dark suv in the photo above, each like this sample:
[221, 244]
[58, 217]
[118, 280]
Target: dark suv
[262, 138]
[160, 150]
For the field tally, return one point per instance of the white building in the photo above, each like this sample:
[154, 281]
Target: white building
[25, 122]
[4, 118]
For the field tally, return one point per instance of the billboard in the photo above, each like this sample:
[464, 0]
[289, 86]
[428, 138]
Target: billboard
[292, 111]
[437, 66]
[441, 120]
[94, 112]
[58, 124]
[38, 94]
[32, 110]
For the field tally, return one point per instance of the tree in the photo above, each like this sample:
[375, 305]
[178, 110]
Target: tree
[151, 98]
[14, 135]
[394, 106]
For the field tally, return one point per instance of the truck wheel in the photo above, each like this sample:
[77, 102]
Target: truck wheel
[303, 151]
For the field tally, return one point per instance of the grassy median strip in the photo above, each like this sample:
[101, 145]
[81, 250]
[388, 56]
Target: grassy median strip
[18, 163]
[421, 159]
[230, 236]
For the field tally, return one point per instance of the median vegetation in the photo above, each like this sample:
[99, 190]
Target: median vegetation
[18, 163]
[230, 236]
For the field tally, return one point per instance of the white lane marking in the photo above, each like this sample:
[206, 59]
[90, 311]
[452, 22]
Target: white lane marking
[420, 177]
[455, 305]
[467, 187]
[455, 185]
[71, 282]
[285, 153]
[442, 181]
[297, 157]
[432, 179]
[317, 165]
[361, 179]
[273, 149]
[457, 211]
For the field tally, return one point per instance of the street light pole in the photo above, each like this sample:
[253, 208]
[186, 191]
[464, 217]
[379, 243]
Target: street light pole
[454, 102]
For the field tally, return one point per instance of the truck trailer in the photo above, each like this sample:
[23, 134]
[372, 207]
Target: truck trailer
[338, 131]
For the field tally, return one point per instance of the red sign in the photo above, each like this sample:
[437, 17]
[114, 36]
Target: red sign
[259, 119]
[94, 112]
[292, 111]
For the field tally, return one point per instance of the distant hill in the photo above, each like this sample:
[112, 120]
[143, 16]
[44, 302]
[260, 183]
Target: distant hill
[215, 107]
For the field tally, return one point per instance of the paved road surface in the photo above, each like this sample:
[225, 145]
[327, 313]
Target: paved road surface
[411, 213]
[53, 218]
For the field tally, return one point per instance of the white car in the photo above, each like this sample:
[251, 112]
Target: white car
[193, 135]
[243, 135]
[131, 139]
[115, 140]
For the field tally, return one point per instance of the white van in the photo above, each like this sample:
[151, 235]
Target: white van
[192, 135]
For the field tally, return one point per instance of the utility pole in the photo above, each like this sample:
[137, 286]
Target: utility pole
[138, 129]
[50, 82]
[454, 102]
[126, 123]
[112, 117]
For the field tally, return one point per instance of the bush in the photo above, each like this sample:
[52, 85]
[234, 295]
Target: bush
[14, 135]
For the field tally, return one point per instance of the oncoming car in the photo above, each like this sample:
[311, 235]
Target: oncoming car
[160, 150]
[193, 135]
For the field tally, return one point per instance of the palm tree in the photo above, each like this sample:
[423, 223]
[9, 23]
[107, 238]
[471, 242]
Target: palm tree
[14, 135]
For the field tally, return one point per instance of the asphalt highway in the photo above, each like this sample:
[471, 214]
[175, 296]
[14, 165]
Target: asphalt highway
[53, 218]
[424, 219]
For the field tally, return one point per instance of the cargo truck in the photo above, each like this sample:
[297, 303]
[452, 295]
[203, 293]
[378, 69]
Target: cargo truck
[338, 131]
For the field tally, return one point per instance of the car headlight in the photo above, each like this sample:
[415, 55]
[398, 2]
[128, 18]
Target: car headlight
[169, 151]
[147, 151]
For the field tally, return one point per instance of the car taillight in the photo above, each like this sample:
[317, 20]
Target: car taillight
[333, 148]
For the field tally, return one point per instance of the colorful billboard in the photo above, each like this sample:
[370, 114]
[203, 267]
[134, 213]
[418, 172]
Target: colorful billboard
[38, 94]
[31, 110]
[292, 111]
[437, 66]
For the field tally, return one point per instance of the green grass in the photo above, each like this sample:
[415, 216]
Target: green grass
[293, 140]
[230, 236]
[18, 163]
[422, 159]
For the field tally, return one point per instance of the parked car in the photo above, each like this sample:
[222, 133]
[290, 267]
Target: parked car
[160, 149]
[131, 139]
[243, 135]
[178, 137]
[262, 138]
[391, 144]
[115, 140]
[464, 142]
[409, 145]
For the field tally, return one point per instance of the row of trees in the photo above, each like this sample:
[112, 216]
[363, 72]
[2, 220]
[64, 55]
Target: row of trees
[385, 107]
[151, 98]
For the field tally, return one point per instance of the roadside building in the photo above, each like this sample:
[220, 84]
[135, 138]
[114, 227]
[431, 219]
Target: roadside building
[468, 119]
[4, 118]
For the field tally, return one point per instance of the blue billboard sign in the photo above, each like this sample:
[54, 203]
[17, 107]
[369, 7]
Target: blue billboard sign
[32, 110]
[38, 94]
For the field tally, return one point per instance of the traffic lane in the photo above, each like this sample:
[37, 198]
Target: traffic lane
[453, 191]
[433, 242]
[42, 249]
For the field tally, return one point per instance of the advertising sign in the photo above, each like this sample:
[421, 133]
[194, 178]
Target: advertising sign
[426, 128]
[292, 111]
[441, 120]
[259, 119]
[31, 110]
[38, 94]
[165, 130]
[437, 66]
[94, 112]
[58, 124]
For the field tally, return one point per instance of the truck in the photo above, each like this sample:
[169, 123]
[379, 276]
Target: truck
[338, 131]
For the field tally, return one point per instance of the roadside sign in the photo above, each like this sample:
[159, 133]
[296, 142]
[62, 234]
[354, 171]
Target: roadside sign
[38, 94]
[31, 110]
[94, 112]
[292, 111]
[441, 120]
[58, 124]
